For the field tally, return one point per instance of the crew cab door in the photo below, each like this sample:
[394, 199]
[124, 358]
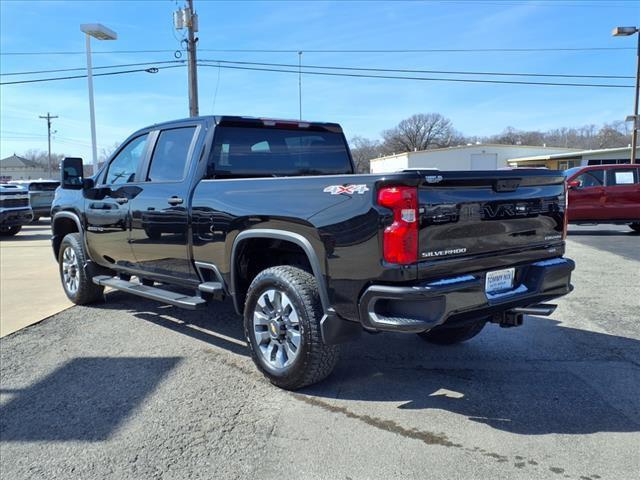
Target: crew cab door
[587, 200]
[107, 205]
[622, 194]
[160, 212]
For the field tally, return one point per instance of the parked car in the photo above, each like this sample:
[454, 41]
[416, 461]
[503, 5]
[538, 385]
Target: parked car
[15, 210]
[604, 194]
[41, 193]
[272, 214]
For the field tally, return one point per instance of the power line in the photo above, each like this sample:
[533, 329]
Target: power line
[422, 50]
[396, 70]
[330, 67]
[57, 70]
[433, 79]
[334, 74]
[296, 50]
[51, 79]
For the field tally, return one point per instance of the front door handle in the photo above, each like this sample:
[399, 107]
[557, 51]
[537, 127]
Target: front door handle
[175, 200]
[122, 200]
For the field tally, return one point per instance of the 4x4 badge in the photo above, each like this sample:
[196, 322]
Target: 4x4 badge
[348, 189]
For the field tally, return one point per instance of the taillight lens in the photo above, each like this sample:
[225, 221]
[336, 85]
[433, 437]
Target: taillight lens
[400, 241]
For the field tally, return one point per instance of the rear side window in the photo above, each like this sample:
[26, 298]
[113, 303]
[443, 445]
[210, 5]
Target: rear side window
[170, 155]
[242, 151]
[622, 176]
[592, 178]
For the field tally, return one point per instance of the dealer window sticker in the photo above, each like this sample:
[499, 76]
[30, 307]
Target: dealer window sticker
[624, 178]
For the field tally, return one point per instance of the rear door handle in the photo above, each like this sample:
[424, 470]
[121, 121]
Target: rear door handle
[175, 200]
[122, 200]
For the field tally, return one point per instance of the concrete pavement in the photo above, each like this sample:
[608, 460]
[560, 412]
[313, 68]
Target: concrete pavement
[29, 281]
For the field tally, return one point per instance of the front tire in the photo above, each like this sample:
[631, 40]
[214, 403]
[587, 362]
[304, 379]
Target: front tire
[10, 231]
[77, 285]
[450, 336]
[282, 316]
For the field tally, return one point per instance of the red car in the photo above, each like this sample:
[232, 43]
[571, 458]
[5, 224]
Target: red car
[604, 194]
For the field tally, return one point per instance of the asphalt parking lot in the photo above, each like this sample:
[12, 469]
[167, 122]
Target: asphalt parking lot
[133, 389]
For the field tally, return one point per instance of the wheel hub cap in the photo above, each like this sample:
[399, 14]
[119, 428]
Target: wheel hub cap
[276, 327]
[70, 273]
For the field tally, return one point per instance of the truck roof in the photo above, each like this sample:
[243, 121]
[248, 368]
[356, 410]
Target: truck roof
[237, 120]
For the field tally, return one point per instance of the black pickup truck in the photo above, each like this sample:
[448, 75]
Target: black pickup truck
[271, 214]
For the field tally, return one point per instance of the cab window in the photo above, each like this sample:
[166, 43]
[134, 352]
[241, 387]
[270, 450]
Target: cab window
[592, 178]
[123, 167]
[170, 155]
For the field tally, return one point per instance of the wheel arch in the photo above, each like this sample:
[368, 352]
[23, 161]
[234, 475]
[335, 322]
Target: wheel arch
[62, 224]
[286, 236]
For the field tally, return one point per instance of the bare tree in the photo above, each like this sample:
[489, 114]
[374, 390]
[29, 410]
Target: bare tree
[106, 152]
[420, 132]
[613, 135]
[363, 150]
[610, 135]
[41, 157]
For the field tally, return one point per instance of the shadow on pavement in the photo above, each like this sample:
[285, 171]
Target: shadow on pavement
[513, 390]
[85, 399]
[527, 381]
[217, 325]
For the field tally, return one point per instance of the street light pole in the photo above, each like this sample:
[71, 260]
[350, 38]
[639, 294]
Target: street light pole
[625, 32]
[92, 110]
[99, 32]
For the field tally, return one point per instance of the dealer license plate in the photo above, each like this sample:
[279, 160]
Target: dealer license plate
[499, 280]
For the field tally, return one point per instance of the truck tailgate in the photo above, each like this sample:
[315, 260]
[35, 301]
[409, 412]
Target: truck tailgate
[487, 213]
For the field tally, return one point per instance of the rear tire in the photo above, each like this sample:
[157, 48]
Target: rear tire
[10, 231]
[450, 336]
[35, 219]
[77, 284]
[282, 316]
[635, 226]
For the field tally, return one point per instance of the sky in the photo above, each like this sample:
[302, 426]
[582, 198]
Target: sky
[364, 106]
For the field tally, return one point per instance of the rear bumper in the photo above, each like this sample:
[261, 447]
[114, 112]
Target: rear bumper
[420, 307]
[13, 217]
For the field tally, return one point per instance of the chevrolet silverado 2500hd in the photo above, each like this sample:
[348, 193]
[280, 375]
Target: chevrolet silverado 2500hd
[272, 214]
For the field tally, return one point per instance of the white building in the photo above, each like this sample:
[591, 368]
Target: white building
[466, 157]
[562, 161]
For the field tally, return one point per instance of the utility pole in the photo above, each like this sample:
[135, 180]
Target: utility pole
[636, 119]
[187, 18]
[49, 117]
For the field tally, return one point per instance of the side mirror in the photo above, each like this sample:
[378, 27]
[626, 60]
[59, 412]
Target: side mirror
[72, 174]
[573, 184]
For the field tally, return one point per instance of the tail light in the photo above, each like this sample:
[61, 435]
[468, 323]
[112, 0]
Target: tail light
[400, 241]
